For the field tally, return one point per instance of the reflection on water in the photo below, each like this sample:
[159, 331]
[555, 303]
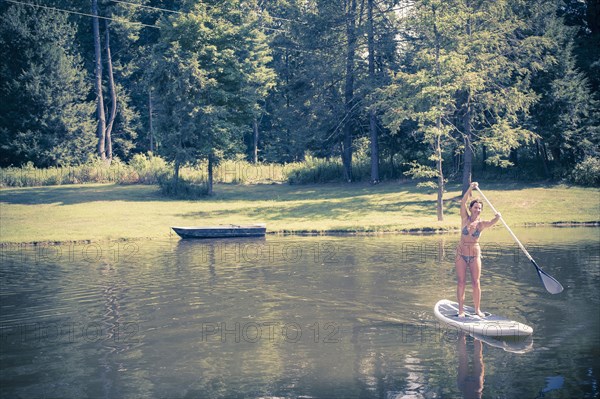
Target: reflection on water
[294, 317]
[470, 379]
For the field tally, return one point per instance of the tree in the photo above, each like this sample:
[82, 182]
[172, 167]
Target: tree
[100, 111]
[306, 107]
[426, 92]
[567, 114]
[261, 80]
[495, 80]
[374, 144]
[349, 100]
[115, 113]
[205, 69]
[45, 117]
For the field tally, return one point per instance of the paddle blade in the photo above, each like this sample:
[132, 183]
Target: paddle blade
[550, 283]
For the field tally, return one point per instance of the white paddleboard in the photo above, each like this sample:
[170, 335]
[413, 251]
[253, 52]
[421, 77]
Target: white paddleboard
[490, 325]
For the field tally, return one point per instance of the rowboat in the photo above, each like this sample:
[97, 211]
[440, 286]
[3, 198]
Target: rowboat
[222, 231]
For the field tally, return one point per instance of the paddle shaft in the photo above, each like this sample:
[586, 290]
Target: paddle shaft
[507, 228]
[550, 283]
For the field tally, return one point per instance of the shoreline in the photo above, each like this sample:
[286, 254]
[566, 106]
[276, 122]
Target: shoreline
[300, 233]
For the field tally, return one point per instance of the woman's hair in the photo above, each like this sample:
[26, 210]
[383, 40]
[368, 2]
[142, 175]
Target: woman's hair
[475, 201]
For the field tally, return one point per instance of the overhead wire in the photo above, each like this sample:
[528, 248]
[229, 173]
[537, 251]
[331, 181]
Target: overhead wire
[81, 13]
[119, 20]
[145, 6]
[179, 12]
[322, 50]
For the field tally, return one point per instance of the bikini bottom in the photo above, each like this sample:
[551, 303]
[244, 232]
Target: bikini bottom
[468, 259]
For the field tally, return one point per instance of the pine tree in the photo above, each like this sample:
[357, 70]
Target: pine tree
[45, 117]
[205, 70]
[495, 81]
[567, 114]
[426, 92]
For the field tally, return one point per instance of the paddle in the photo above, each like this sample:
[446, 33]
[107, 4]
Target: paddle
[552, 285]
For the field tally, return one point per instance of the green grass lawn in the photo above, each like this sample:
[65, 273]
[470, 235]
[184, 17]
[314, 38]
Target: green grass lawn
[108, 211]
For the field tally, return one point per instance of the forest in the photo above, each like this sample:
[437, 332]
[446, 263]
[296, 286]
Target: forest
[435, 89]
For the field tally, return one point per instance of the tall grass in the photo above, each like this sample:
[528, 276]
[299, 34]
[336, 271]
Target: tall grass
[149, 169]
[142, 169]
[321, 170]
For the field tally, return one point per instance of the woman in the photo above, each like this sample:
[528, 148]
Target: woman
[468, 253]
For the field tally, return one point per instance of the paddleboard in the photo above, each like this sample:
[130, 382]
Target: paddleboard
[490, 325]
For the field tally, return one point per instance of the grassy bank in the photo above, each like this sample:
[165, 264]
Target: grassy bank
[108, 211]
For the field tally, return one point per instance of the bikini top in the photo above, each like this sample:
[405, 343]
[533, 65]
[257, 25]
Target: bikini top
[475, 234]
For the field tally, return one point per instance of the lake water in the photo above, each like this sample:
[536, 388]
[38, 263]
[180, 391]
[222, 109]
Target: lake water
[295, 317]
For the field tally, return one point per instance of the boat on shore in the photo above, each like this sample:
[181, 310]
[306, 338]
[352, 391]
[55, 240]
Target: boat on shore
[222, 231]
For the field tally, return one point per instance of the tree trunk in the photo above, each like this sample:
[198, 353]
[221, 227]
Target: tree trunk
[210, 174]
[484, 157]
[255, 140]
[372, 117]
[101, 128]
[438, 125]
[468, 157]
[555, 152]
[593, 16]
[150, 122]
[440, 193]
[513, 157]
[113, 97]
[349, 89]
[544, 156]
[374, 148]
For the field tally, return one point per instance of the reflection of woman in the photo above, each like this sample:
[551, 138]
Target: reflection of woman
[468, 253]
[470, 384]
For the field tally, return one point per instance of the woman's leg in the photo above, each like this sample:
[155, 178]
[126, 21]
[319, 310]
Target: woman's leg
[461, 277]
[475, 268]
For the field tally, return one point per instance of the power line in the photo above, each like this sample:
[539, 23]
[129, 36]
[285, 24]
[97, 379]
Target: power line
[179, 12]
[118, 20]
[80, 13]
[145, 6]
[165, 10]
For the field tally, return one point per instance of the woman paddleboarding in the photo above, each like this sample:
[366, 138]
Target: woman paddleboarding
[468, 252]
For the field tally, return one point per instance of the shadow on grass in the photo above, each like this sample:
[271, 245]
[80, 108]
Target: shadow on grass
[320, 210]
[347, 193]
[70, 195]
[78, 194]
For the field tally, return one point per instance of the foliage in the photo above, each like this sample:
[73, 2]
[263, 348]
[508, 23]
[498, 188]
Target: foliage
[587, 172]
[141, 169]
[567, 115]
[206, 72]
[315, 170]
[182, 188]
[148, 168]
[514, 82]
[322, 170]
[426, 174]
[45, 117]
